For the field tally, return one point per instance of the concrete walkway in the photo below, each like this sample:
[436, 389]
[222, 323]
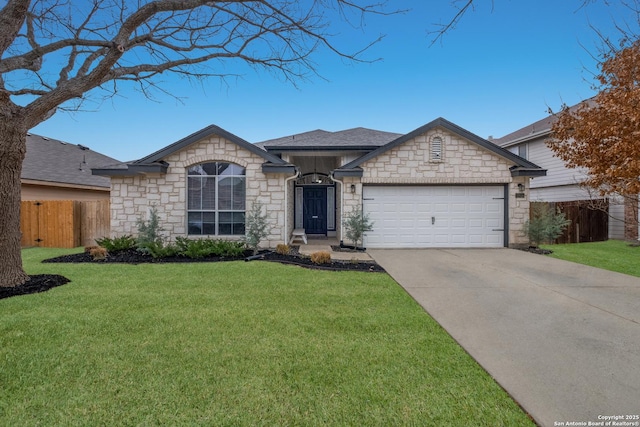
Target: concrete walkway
[562, 338]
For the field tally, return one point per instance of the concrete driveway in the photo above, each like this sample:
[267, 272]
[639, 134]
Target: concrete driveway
[562, 338]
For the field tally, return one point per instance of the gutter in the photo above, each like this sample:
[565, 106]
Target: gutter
[526, 138]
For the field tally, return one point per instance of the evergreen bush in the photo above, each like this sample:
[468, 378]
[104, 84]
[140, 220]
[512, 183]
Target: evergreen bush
[545, 224]
[356, 223]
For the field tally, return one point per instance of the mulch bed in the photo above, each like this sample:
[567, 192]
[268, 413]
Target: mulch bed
[36, 283]
[136, 257]
[44, 282]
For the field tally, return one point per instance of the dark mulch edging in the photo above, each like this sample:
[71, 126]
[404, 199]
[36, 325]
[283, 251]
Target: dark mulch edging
[136, 257]
[36, 283]
[536, 250]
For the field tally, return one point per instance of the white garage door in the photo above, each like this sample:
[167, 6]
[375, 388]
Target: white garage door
[435, 216]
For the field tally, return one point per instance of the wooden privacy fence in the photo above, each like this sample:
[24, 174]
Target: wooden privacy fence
[589, 220]
[63, 223]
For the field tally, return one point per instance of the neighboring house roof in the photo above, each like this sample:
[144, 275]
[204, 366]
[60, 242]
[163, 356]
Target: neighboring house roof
[522, 166]
[53, 161]
[535, 130]
[154, 161]
[350, 139]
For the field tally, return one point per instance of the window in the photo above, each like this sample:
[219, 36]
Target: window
[522, 150]
[436, 149]
[216, 199]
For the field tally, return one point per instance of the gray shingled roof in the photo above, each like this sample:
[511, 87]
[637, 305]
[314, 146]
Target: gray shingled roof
[356, 138]
[540, 128]
[53, 161]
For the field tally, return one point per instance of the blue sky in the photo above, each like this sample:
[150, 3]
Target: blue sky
[498, 70]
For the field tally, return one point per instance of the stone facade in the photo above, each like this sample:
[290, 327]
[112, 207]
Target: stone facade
[133, 197]
[457, 161]
[460, 162]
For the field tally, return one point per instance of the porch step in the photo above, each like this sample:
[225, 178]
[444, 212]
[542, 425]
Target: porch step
[298, 234]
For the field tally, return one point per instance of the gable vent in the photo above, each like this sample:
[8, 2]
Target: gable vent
[436, 148]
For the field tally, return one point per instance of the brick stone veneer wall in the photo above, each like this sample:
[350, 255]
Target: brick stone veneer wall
[133, 197]
[462, 162]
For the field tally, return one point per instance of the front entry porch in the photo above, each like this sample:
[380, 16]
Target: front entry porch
[315, 205]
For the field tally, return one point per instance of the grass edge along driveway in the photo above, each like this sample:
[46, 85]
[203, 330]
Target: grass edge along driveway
[233, 344]
[613, 255]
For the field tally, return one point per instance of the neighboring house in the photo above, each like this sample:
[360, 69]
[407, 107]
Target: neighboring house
[63, 204]
[437, 186]
[562, 184]
[57, 170]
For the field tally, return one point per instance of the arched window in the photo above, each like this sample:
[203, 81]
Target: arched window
[436, 149]
[216, 199]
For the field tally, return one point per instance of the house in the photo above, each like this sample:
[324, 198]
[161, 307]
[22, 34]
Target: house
[595, 218]
[437, 186]
[57, 170]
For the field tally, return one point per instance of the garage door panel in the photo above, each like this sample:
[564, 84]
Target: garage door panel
[435, 216]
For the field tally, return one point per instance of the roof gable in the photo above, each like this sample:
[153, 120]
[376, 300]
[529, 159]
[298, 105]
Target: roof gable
[154, 162]
[204, 133]
[451, 127]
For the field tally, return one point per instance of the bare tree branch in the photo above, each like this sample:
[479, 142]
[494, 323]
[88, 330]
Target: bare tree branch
[12, 16]
[101, 41]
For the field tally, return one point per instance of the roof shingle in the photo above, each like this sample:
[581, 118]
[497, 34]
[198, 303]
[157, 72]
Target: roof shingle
[52, 160]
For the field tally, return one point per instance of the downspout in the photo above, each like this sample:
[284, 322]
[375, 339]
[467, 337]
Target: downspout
[341, 203]
[286, 204]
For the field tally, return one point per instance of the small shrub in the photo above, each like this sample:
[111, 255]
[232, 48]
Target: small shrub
[356, 224]
[200, 248]
[159, 249]
[230, 248]
[98, 253]
[257, 227]
[116, 244]
[282, 249]
[545, 224]
[321, 257]
[149, 238]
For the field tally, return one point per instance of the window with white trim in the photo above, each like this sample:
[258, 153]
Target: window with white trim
[216, 199]
[436, 149]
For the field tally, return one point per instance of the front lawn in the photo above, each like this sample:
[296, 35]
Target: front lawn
[233, 344]
[614, 255]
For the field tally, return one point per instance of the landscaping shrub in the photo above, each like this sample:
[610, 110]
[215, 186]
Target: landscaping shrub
[97, 253]
[545, 224]
[116, 244]
[282, 249]
[230, 248]
[356, 223]
[257, 227]
[161, 250]
[321, 257]
[200, 248]
[149, 238]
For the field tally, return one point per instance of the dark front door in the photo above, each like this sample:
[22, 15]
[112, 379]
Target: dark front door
[315, 210]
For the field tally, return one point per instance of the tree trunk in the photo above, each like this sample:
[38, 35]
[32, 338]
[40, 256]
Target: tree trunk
[13, 142]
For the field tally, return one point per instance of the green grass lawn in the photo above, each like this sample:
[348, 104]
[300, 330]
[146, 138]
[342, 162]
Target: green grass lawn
[233, 344]
[614, 255]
